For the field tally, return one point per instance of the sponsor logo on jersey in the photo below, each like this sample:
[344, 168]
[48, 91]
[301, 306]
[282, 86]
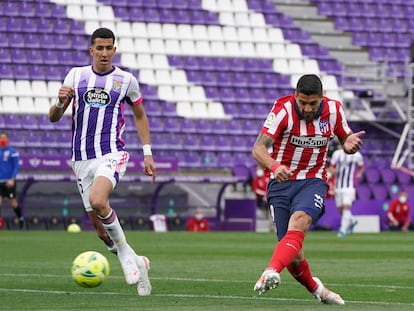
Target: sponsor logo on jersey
[97, 98]
[309, 142]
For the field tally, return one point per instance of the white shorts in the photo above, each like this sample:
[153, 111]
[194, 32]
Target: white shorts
[345, 196]
[111, 166]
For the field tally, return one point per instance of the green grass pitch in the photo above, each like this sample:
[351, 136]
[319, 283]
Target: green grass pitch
[206, 271]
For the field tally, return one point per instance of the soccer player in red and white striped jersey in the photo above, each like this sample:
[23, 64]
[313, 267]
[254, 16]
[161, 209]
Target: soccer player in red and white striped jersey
[292, 145]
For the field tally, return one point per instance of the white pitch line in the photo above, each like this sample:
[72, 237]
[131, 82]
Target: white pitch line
[59, 292]
[390, 286]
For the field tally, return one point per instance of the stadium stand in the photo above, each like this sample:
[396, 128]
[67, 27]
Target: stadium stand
[210, 70]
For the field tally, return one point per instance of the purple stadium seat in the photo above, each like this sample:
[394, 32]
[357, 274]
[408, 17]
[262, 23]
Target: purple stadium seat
[203, 126]
[223, 143]
[388, 176]
[17, 137]
[173, 125]
[168, 109]
[45, 25]
[34, 56]
[372, 175]
[191, 63]
[16, 40]
[21, 72]
[380, 192]
[224, 159]
[53, 73]
[207, 142]
[238, 142]
[188, 126]
[224, 78]
[153, 107]
[18, 56]
[242, 95]
[240, 169]
[37, 73]
[6, 71]
[44, 122]
[226, 94]
[49, 139]
[208, 78]
[5, 55]
[43, 9]
[29, 122]
[221, 63]
[33, 139]
[28, 25]
[363, 192]
[403, 178]
[63, 139]
[167, 16]
[190, 159]
[219, 127]
[191, 141]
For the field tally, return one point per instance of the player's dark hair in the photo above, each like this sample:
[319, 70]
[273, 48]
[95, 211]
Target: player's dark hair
[104, 33]
[309, 85]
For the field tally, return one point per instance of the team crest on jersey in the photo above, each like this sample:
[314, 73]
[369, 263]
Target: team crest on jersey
[324, 127]
[116, 86]
[97, 98]
[269, 120]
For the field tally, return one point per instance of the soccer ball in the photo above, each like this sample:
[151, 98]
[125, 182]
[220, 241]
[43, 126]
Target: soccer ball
[74, 228]
[90, 269]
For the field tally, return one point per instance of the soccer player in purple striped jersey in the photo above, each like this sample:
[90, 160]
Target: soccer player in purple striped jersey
[347, 168]
[98, 95]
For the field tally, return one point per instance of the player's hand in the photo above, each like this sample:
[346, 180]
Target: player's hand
[149, 167]
[353, 142]
[66, 93]
[282, 173]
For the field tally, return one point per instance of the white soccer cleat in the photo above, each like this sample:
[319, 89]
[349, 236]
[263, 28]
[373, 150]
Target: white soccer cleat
[129, 264]
[326, 296]
[144, 285]
[269, 279]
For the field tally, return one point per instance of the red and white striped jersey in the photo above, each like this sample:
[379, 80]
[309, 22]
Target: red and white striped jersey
[302, 145]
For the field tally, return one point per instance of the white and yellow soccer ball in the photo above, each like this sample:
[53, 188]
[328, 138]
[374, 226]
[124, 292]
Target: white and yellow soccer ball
[90, 269]
[74, 228]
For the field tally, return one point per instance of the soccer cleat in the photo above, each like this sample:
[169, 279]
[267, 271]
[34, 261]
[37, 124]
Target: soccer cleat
[144, 285]
[269, 279]
[341, 234]
[326, 296]
[351, 227]
[129, 264]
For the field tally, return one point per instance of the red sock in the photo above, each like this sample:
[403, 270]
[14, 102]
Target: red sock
[287, 248]
[303, 275]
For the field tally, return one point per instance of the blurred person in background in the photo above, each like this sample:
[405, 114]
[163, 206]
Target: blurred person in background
[98, 95]
[9, 167]
[198, 222]
[259, 186]
[399, 213]
[292, 145]
[346, 168]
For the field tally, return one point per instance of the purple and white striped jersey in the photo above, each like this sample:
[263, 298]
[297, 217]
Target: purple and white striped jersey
[346, 166]
[98, 110]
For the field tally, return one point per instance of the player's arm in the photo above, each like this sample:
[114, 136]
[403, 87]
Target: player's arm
[142, 126]
[65, 95]
[261, 155]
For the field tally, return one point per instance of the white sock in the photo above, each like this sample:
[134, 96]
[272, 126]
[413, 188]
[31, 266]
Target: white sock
[346, 220]
[114, 229]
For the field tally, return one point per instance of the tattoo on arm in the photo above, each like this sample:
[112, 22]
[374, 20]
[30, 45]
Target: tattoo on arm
[264, 140]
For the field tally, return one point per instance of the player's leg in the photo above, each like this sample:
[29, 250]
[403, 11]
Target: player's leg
[11, 194]
[101, 232]
[107, 174]
[347, 223]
